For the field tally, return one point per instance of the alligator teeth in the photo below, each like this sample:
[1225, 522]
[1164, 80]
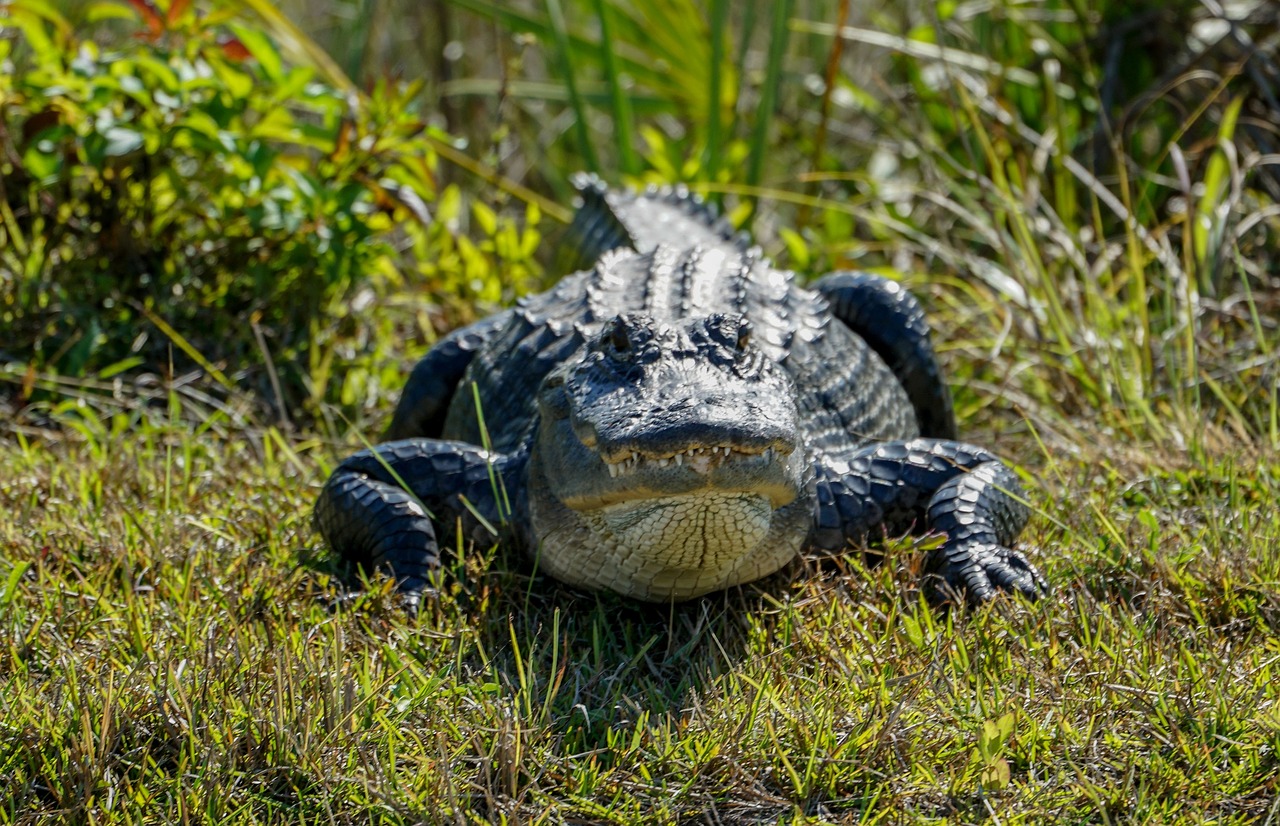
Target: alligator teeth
[695, 456]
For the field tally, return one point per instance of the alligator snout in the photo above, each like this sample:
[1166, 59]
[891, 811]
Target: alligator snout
[658, 410]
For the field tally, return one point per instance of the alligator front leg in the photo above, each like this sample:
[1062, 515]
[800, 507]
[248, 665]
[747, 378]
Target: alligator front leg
[922, 485]
[425, 400]
[381, 509]
[890, 319]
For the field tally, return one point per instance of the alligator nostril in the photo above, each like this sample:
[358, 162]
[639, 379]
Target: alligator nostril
[619, 339]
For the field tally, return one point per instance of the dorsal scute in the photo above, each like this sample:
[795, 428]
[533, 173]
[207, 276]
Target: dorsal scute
[609, 219]
[673, 283]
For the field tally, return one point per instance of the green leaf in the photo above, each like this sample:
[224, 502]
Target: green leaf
[121, 141]
[797, 247]
[995, 733]
[36, 35]
[98, 12]
[11, 583]
[485, 217]
[159, 71]
[277, 125]
[45, 167]
[450, 205]
[291, 86]
[262, 50]
[995, 775]
[119, 367]
[237, 82]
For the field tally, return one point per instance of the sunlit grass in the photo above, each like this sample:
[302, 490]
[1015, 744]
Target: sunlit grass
[176, 647]
[173, 646]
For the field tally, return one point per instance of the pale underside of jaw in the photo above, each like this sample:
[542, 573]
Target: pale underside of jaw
[700, 459]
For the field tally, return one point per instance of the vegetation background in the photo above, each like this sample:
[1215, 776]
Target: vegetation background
[228, 228]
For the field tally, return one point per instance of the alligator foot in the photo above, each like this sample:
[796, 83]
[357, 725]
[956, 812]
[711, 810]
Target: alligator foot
[931, 485]
[980, 511]
[382, 508]
[972, 573]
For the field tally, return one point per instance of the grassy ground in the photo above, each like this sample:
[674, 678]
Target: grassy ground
[175, 646]
[175, 652]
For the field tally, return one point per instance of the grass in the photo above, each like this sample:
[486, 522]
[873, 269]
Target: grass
[176, 647]
[175, 651]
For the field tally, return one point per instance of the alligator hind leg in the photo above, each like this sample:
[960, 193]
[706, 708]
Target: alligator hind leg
[924, 485]
[890, 319]
[426, 396]
[381, 509]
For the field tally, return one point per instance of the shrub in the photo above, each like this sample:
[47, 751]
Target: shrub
[185, 193]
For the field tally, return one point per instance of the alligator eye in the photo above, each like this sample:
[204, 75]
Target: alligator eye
[744, 335]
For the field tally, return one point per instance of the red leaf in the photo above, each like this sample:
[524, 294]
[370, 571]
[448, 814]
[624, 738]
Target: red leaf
[342, 145]
[176, 8]
[151, 16]
[233, 48]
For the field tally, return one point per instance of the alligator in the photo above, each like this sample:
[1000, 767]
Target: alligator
[676, 417]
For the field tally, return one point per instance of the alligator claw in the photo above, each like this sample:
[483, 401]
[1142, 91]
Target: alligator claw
[411, 603]
[974, 572]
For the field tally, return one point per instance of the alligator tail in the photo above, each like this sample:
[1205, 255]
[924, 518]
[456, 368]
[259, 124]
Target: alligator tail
[609, 219]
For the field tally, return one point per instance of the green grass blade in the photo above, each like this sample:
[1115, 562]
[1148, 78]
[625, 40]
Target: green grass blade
[715, 95]
[623, 124]
[560, 34]
[747, 29]
[461, 159]
[185, 346]
[514, 20]
[769, 92]
[11, 583]
[1217, 190]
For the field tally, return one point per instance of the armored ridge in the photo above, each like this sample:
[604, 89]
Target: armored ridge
[677, 418]
[611, 219]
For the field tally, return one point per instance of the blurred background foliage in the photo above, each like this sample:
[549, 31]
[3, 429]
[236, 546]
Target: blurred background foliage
[293, 200]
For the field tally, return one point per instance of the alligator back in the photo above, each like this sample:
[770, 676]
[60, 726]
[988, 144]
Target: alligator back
[688, 264]
[609, 219]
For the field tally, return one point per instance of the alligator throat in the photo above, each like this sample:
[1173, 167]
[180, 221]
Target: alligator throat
[703, 531]
[694, 538]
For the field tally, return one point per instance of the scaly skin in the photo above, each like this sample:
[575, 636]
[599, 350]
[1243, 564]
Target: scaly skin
[679, 418]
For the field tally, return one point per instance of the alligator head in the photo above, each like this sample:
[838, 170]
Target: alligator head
[674, 445]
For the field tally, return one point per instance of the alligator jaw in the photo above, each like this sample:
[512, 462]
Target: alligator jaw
[699, 459]
[772, 474]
